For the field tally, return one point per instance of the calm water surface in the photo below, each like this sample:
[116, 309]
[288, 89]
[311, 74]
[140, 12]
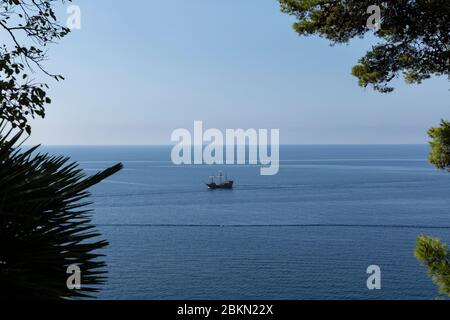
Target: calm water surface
[309, 232]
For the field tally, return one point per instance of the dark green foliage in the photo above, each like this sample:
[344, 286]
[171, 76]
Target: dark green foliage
[436, 257]
[21, 97]
[429, 251]
[415, 35]
[45, 225]
[440, 145]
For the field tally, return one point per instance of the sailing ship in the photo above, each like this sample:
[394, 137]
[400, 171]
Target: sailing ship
[221, 182]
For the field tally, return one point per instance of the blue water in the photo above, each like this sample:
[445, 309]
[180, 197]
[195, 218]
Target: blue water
[309, 232]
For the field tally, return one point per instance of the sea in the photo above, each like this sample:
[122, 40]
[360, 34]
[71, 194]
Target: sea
[309, 232]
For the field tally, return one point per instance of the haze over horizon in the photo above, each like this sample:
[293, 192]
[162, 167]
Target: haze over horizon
[231, 64]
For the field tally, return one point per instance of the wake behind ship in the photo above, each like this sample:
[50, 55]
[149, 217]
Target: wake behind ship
[221, 183]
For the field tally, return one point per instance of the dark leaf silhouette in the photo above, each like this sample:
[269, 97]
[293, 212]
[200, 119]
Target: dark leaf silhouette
[45, 225]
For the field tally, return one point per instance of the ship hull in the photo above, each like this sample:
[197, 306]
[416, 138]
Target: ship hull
[225, 185]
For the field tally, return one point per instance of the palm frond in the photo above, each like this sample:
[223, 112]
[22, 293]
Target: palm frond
[45, 225]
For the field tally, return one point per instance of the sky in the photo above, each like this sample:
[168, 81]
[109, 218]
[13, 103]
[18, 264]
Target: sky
[136, 72]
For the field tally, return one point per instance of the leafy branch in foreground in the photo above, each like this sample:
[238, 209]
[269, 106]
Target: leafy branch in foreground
[415, 35]
[431, 252]
[436, 256]
[440, 145]
[27, 27]
[45, 225]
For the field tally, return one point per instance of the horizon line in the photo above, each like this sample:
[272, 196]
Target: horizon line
[171, 145]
